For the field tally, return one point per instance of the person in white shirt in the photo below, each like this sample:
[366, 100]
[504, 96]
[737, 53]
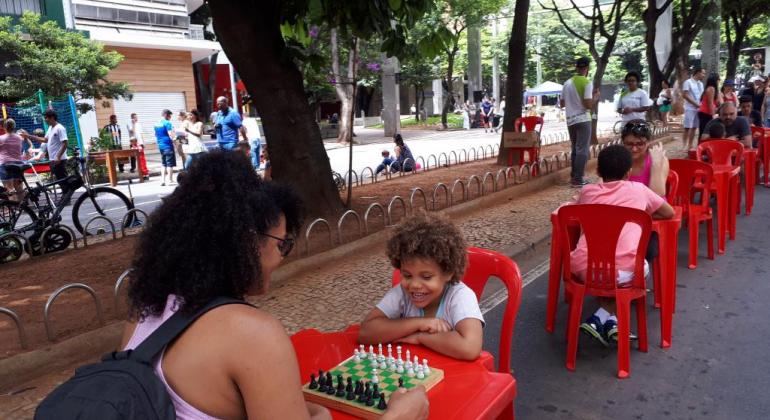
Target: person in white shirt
[692, 89]
[501, 112]
[633, 102]
[136, 138]
[56, 137]
[578, 97]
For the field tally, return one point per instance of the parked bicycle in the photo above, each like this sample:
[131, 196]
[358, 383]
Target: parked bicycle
[38, 216]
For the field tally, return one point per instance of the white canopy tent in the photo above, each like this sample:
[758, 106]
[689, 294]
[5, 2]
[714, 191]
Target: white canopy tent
[545, 88]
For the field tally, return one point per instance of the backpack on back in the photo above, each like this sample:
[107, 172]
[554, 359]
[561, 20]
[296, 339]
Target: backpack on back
[123, 385]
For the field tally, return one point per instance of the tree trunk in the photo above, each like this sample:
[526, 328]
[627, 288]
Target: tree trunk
[250, 36]
[734, 44]
[514, 86]
[345, 87]
[212, 87]
[449, 87]
[417, 102]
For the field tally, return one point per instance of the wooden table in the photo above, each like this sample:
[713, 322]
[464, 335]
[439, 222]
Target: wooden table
[668, 234]
[111, 157]
[468, 391]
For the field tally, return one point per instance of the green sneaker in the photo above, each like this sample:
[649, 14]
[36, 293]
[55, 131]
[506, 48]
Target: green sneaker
[611, 328]
[593, 327]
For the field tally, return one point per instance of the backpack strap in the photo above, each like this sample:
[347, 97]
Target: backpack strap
[172, 328]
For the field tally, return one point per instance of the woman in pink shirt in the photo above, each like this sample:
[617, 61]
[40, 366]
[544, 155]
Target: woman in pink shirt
[10, 153]
[614, 166]
[650, 164]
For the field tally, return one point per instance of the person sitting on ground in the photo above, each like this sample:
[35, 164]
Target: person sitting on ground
[614, 167]
[386, 161]
[736, 128]
[11, 173]
[251, 228]
[431, 306]
[402, 154]
[650, 165]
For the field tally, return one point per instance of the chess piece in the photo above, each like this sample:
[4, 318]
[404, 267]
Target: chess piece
[398, 351]
[400, 382]
[313, 383]
[375, 389]
[330, 389]
[382, 405]
[375, 379]
[382, 364]
[340, 387]
[425, 367]
[390, 351]
[356, 356]
[322, 383]
[399, 366]
[359, 388]
[369, 401]
[371, 352]
[329, 384]
[408, 358]
[420, 372]
[379, 350]
[349, 386]
[361, 351]
[410, 371]
[362, 397]
[350, 396]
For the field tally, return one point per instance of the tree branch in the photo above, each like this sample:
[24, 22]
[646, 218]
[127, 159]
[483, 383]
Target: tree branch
[564, 23]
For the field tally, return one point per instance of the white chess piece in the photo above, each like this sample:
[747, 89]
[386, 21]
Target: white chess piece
[409, 370]
[379, 349]
[356, 357]
[375, 379]
[408, 356]
[371, 352]
[420, 372]
[416, 362]
[425, 367]
[382, 364]
[398, 351]
[390, 351]
[399, 366]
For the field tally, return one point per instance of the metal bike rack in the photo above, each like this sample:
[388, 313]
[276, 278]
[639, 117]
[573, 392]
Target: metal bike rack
[125, 217]
[479, 186]
[525, 169]
[67, 228]
[390, 208]
[475, 155]
[15, 317]
[496, 149]
[447, 195]
[491, 150]
[510, 172]
[57, 293]
[415, 190]
[544, 163]
[483, 152]
[25, 245]
[310, 229]
[462, 184]
[505, 178]
[488, 175]
[345, 177]
[414, 167]
[342, 219]
[434, 161]
[424, 168]
[446, 157]
[455, 155]
[556, 161]
[463, 151]
[119, 283]
[93, 219]
[371, 172]
[366, 216]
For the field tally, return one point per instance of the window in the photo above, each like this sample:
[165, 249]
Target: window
[128, 16]
[17, 7]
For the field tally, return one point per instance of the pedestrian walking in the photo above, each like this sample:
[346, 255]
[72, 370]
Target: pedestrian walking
[180, 137]
[164, 132]
[228, 125]
[193, 148]
[136, 137]
[692, 90]
[56, 138]
[578, 97]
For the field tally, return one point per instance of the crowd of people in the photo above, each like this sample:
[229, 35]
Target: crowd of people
[487, 115]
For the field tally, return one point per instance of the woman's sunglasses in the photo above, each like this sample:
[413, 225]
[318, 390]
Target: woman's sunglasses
[285, 245]
[637, 128]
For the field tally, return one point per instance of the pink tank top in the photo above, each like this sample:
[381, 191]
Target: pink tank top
[644, 177]
[184, 410]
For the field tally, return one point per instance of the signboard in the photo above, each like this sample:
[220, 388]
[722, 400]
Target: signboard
[515, 139]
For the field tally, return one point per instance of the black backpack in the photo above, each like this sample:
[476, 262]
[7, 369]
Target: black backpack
[123, 385]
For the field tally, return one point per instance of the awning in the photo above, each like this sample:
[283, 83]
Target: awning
[198, 48]
[546, 88]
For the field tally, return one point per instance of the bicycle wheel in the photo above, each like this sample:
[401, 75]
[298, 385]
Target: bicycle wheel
[16, 217]
[11, 250]
[55, 239]
[101, 201]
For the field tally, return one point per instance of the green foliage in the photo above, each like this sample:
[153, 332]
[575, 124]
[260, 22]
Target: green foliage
[57, 61]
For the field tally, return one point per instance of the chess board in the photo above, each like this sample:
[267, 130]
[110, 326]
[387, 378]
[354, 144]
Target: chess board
[388, 383]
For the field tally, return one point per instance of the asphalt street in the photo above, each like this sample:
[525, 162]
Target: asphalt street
[716, 368]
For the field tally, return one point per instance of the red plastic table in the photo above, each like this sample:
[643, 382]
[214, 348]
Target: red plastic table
[469, 390]
[668, 240]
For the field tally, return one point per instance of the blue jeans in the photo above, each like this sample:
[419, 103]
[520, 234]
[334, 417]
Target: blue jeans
[385, 162]
[189, 158]
[256, 151]
[580, 137]
[227, 146]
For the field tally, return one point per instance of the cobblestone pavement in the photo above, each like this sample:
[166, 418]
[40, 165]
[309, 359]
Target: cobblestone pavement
[331, 298]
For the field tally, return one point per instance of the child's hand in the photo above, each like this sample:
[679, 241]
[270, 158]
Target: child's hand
[435, 325]
[410, 339]
[658, 154]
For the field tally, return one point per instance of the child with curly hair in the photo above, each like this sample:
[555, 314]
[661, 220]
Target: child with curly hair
[430, 306]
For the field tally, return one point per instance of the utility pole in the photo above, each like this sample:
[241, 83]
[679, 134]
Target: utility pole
[495, 64]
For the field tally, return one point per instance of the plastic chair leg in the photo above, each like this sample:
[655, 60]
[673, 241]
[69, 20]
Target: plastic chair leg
[656, 281]
[575, 309]
[554, 281]
[693, 227]
[641, 324]
[735, 206]
[710, 237]
[508, 413]
[624, 343]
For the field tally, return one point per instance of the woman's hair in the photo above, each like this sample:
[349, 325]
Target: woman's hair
[202, 242]
[712, 81]
[195, 113]
[638, 128]
[398, 139]
[429, 237]
[10, 125]
[635, 75]
[614, 162]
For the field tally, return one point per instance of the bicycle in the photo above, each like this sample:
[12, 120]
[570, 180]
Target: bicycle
[37, 216]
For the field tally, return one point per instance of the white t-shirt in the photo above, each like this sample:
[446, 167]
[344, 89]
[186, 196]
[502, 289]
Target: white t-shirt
[576, 112]
[695, 87]
[135, 132]
[635, 99]
[55, 136]
[458, 303]
[501, 108]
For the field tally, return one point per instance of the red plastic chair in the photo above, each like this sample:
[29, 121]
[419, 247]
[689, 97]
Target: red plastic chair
[695, 177]
[762, 137]
[602, 224]
[483, 264]
[725, 156]
[672, 184]
[528, 124]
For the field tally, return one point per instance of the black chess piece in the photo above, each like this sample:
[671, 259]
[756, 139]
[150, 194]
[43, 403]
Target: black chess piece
[362, 397]
[350, 396]
[359, 388]
[322, 384]
[382, 405]
[329, 379]
[375, 390]
[349, 386]
[330, 388]
[367, 389]
[400, 382]
[313, 383]
[340, 387]
[320, 374]
[369, 401]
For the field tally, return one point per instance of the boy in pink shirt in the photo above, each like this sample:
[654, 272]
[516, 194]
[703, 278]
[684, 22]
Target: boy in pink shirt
[614, 166]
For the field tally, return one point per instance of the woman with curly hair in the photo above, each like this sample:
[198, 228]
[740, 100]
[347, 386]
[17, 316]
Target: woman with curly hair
[220, 234]
[430, 306]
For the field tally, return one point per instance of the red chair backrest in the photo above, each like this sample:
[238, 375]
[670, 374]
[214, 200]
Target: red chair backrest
[721, 152]
[672, 184]
[602, 224]
[529, 123]
[483, 264]
[694, 177]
